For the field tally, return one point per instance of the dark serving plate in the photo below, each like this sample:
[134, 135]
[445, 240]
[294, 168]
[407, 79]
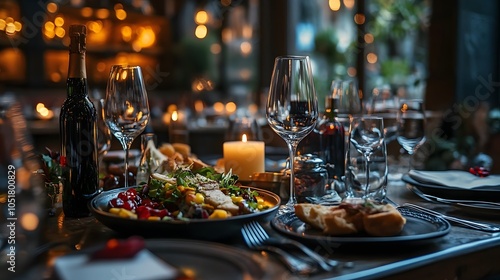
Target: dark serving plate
[419, 228]
[487, 194]
[203, 229]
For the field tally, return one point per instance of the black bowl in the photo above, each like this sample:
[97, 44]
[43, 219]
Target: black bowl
[204, 229]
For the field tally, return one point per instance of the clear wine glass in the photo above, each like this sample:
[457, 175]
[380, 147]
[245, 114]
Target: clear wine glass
[103, 132]
[411, 126]
[126, 108]
[367, 135]
[349, 100]
[292, 108]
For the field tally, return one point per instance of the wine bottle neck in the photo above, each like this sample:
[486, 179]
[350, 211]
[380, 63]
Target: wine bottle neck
[77, 67]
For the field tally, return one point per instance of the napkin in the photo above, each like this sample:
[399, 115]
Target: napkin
[455, 179]
[143, 266]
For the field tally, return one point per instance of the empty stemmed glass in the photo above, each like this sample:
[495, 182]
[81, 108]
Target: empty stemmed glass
[126, 108]
[367, 135]
[349, 100]
[103, 132]
[411, 126]
[292, 108]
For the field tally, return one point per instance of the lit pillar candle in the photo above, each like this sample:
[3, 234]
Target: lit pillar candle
[244, 157]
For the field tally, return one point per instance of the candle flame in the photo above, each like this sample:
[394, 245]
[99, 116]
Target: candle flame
[244, 138]
[174, 116]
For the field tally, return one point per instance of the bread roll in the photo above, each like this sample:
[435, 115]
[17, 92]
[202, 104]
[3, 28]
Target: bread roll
[352, 217]
[167, 149]
[183, 149]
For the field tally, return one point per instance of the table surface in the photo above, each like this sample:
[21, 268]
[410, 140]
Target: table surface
[463, 253]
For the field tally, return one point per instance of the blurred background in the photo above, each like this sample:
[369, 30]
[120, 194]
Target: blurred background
[209, 61]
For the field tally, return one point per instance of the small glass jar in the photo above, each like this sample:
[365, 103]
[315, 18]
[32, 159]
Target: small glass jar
[311, 178]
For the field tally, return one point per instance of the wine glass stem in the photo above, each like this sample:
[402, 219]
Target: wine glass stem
[410, 160]
[292, 148]
[367, 166]
[127, 149]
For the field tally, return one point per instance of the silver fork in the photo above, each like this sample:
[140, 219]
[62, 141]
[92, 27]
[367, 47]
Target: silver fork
[264, 238]
[463, 222]
[294, 264]
[433, 198]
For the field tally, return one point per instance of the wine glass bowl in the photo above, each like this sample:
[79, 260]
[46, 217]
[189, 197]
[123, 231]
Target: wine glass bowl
[126, 108]
[367, 135]
[411, 125]
[292, 107]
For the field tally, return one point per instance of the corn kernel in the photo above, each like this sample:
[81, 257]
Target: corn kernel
[236, 199]
[199, 199]
[218, 214]
[114, 210]
[127, 214]
[181, 188]
[154, 218]
[259, 199]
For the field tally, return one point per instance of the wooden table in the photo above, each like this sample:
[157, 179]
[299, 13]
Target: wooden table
[461, 254]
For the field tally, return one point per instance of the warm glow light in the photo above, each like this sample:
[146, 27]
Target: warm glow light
[49, 33]
[10, 29]
[171, 108]
[351, 71]
[86, 12]
[121, 14]
[227, 35]
[225, 2]
[247, 31]
[334, 5]
[368, 38]
[230, 107]
[52, 7]
[126, 33]
[244, 138]
[136, 46]
[55, 77]
[118, 7]
[123, 76]
[102, 13]
[359, 18]
[201, 31]
[59, 21]
[60, 32]
[201, 17]
[18, 26]
[245, 74]
[371, 58]
[147, 37]
[175, 116]
[95, 26]
[101, 66]
[215, 48]
[198, 106]
[349, 4]
[218, 107]
[44, 112]
[2, 24]
[29, 221]
[9, 20]
[246, 48]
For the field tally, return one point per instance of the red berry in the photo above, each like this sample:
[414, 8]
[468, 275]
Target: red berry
[142, 212]
[116, 203]
[130, 205]
[159, 212]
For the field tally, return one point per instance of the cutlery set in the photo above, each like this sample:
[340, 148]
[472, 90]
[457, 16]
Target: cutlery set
[257, 238]
[309, 261]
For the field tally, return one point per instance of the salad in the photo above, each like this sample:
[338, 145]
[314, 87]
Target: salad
[185, 194]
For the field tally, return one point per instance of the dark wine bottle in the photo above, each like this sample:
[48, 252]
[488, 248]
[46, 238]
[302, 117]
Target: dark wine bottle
[332, 140]
[78, 129]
